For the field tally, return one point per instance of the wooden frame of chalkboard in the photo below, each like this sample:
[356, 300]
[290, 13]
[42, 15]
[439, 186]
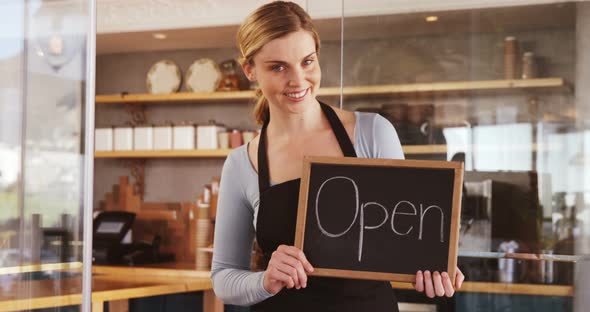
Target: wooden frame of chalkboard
[318, 247]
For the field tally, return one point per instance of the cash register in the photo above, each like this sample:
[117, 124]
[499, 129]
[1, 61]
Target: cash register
[109, 245]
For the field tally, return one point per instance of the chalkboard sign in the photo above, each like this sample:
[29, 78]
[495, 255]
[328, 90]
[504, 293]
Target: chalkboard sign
[379, 219]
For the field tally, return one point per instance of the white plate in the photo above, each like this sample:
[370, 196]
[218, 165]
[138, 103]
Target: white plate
[203, 76]
[164, 77]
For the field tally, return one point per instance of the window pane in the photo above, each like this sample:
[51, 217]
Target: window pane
[43, 65]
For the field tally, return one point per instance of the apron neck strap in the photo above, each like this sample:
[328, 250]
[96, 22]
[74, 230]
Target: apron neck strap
[343, 140]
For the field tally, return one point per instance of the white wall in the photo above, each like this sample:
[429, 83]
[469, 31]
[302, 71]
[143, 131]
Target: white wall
[141, 15]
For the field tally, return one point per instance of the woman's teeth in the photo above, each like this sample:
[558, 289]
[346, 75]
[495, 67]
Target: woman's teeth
[297, 95]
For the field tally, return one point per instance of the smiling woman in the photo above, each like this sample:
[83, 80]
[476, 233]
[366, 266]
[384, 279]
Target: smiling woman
[287, 71]
[278, 41]
[280, 50]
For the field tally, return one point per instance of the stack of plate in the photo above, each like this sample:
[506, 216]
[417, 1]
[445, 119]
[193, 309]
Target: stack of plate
[203, 76]
[164, 77]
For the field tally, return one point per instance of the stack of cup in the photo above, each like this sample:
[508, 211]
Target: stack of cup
[510, 53]
[223, 140]
[203, 235]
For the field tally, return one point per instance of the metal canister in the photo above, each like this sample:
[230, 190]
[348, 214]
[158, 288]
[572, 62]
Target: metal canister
[507, 271]
[510, 53]
[546, 269]
[235, 138]
[529, 67]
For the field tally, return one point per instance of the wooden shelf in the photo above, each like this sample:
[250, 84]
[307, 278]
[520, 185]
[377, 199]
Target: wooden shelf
[198, 97]
[376, 90]
[217, 153]
[434, 149]
[221, 153]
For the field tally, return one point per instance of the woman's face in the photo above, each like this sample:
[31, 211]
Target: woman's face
[288, 71]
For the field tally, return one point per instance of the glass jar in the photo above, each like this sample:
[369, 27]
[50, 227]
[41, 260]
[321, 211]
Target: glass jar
[229, 81]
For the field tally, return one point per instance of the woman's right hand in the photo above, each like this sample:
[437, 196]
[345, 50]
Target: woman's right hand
[288, 267]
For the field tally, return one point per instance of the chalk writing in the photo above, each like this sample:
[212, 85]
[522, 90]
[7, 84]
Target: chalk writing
[400, 209]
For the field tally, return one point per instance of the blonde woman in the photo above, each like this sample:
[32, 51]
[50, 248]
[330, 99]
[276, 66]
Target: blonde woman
[260, 181]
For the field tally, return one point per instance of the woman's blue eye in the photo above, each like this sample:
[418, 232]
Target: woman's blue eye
[307, 62]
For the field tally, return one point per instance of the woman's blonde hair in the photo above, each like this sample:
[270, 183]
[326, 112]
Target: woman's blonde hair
[269, 22]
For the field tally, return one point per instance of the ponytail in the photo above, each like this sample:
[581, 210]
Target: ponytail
[261, 110]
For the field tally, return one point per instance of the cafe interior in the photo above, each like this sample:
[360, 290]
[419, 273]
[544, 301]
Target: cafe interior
[117, 116]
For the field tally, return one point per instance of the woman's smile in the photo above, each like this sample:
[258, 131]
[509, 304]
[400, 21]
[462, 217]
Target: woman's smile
[297, 96]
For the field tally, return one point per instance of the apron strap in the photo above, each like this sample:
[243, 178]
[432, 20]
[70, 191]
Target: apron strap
[343, 140]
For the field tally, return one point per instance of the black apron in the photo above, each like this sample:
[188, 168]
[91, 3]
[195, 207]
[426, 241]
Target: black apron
[275, 225]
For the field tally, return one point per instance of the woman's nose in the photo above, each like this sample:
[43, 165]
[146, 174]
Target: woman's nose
[296, 77]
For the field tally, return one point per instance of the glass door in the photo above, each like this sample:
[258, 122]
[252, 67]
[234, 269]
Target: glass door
[501, 88]
[45, 62]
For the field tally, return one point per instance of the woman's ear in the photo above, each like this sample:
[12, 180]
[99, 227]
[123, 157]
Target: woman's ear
[250, 71]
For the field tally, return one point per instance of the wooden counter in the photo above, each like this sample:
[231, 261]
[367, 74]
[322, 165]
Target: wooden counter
[188, 270]
[121, 284]
[65, 266]
[167, 270]
[116, 284]
[506, 288]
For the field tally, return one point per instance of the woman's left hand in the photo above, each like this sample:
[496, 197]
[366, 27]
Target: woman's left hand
[438, 284]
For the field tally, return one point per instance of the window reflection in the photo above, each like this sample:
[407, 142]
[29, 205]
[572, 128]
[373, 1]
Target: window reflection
[41, 146]
[525, 149]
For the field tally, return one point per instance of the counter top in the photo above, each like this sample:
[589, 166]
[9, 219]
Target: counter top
[111, 283]
[506, 288]
[188, 270]
[36, 294]
[108, 284]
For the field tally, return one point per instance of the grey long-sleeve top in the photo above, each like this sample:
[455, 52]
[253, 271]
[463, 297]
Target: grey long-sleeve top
[233, 282]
